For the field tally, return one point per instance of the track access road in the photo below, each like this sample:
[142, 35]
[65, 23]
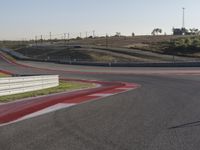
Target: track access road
[162, 114]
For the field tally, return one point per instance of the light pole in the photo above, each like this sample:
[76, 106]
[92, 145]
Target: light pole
[183, 25]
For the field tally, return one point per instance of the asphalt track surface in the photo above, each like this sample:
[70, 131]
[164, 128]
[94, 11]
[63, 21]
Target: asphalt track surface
[163, 114]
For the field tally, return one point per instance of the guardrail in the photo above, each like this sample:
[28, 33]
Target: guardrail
[16, 85]
[14, 53]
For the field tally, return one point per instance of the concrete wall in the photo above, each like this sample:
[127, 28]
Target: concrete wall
[15, 85]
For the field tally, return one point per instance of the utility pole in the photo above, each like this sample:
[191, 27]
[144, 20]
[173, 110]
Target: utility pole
[106, 40]
[80, 35]
[50, 37]
[93, 33]
[86, 34]
[68, 36]
[183, 25]
[41, 39]
[36, 40]
[65, 37]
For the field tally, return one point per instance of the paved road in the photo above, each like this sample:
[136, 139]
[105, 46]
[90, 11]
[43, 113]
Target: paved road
[164, 114]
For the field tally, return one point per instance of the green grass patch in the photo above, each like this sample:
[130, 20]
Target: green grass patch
[9, 57]
[183, 46]
[64, 86]
[3, 75]
[186, 46]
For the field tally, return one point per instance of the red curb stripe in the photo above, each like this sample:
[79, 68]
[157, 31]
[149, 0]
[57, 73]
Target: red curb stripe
[6, 72]
[33, 107]
[80, 99]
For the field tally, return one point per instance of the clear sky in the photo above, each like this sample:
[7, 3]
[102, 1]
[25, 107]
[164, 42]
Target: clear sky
[28, 18]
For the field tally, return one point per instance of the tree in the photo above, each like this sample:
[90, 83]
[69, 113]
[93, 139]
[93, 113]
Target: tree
[156, 31]
[78, 38]
[118, 34]
[194, 31]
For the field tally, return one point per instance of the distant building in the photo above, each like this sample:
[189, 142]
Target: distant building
[180, 31]
[177, 31]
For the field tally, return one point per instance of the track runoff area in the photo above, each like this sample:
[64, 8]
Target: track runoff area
[28, 108]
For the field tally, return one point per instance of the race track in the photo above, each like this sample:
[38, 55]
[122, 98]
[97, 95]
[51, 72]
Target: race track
[163, 114]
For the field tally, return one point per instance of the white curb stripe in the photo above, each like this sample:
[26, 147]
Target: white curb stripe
[102, 95]
[125, 88]
[41, 112]
[47, 110]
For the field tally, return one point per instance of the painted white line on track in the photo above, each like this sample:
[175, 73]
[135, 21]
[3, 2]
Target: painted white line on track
[48, 110]
[41, 112]
[125, 88]
[102, 94]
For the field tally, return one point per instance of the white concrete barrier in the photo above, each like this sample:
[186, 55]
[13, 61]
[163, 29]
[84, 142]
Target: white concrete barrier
[15, 85]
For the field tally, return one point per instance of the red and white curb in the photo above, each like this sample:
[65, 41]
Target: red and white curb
[21, 110]
[47, 110]
[77, 101]
[34, 111]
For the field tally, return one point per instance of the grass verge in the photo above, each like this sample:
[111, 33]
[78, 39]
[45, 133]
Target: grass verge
[188, 46]
[3, 75]
[65, 86]
[9, 57]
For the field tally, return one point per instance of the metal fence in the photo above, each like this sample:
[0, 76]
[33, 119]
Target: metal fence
[15, 85]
